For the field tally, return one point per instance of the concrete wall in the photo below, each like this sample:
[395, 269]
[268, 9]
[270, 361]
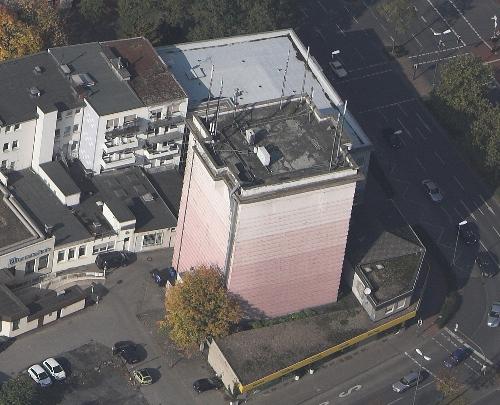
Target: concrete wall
[221, 367]
[77, 306]
[293, 244]
[24, 326]
[88, 137]
[69, 200]
[50, 318]
[24, 135]
[44, 137]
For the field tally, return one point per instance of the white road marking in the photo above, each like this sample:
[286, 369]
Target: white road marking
[369, 66]
[422, 366]
[447, 214]
[351, 14]
[495, 229]
[460, 184]
[446, 22]
[419, 131]
[368, 75]
[383, 116]
[433, 52]
[360, 54]
[418, 42]
[423, 122]
[402, 110]
[479, 355]
[441, 59]
[454, 344]
[419, 163]
[396, 400]
[458, 212]
[388, 105]
[480, 210]
[467, 208]
[487, 205]
[439, 158]
[406, 129]
[322, 6]
[340, 29]
[350, 391]
[423, 19]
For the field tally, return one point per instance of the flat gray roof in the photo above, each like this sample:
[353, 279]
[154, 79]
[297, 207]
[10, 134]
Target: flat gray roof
[58, 174]
[45, 208]
[120, 210]
[168, 183]
[11, 307]
[17, 76]
[109, 94]
[12, 230]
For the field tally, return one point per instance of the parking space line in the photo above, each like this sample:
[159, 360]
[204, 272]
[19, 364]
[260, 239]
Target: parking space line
[423, 19]
[467, 209]
[458, 212]
[487, 205]
[420, 163]
[460, 184]
[458, 338]
[417, 129]
[447, 214]
[322, 6]
[388, 105]
[369, 66]
[406, 129]
[421, 365]
[402, 110]
[383, 116]
[480, 210]
[340, 29]
[423, 122]
[495, 229]
[439, 158]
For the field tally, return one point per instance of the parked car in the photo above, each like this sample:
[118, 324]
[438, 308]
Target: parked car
[54, 369]
[39, 375]
[5, 342]
[161, 276]
[456, 357]
[142, 376]
[111, 260]
[407, 381]
[392, 137]
[433, 190]
[338, 69]
[207, 384]
[467, 233]
[486, 267]
[494, 315]
[127, 351]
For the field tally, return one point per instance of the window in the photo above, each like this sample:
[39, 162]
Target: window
[57, 133]
[4, 164]
[113, 123]
[60, 256]
[5, 146]
[102, 248]
[77, 110]
[7, 128]
[389, 309]
[59, 116]
[30, 266]
[17, 126]
[43, 262]
[401, 304]
[81, 251]
[152, 239]
[15, 324]
[67, 130]
[155, 114]
[75, 128]
[12, 165]
[71, 253]
[128, 119]
[14, 144]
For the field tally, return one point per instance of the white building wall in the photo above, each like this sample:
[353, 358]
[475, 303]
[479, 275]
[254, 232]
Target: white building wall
[24, 326]
[50, 318]
[77, 306]
[44, 137]
[88, 137]
[221, 367]
[67, 142]
[21, 155]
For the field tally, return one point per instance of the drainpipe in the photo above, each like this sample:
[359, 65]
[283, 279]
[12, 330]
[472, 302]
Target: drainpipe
[232, 228]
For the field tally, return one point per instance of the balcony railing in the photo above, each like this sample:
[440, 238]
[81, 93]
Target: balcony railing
[112, 146]
[117, 160]
[130, 128]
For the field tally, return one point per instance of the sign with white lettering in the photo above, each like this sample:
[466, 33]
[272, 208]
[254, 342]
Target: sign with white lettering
[14, 260]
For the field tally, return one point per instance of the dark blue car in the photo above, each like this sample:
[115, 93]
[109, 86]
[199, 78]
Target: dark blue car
[457, 357]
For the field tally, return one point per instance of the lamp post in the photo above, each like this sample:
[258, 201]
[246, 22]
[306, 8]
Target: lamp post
[426, 358]
[483, 367]
[495, 25]
[456, 241]
[335, 52]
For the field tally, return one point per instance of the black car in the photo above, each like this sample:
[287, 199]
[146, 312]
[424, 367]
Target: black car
[127, 351]
[392, 137]
[487, 269]
[457, 357]
[207, 384]
[161, 277]
[111, 260]
[467, 232]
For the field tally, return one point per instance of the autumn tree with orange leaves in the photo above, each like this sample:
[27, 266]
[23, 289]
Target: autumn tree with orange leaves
[199, 307]
[16, 38]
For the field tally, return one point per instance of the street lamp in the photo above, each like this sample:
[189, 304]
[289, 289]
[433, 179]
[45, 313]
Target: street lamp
[336, 52]
[426, 358]
[495, 32]
[456, 241]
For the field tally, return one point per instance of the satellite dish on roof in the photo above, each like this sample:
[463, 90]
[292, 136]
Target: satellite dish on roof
[367, 291]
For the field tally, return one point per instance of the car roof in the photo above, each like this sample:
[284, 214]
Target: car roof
[410, 376]
[37, 368]
[495, 306]
[51, 361]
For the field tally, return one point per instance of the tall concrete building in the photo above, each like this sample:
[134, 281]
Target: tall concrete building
[270, 181]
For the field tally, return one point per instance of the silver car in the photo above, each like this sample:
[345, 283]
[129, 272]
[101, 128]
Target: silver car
[433, 190]
[407, 381]
[39, 375]
[494, 315]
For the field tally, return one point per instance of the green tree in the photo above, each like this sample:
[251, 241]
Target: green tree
[485, 135]
[139, 18]
[198, 307]
[397, 12]
[18, 391]
[448, 385]
[92, 11]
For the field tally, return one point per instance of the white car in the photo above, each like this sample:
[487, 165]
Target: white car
[54, 369]
[338, 69]
[39, 375]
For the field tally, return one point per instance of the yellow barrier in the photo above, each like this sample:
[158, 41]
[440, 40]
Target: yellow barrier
[327, 352]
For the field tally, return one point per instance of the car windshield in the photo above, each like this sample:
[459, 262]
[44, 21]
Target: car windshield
[434, 190]
[57, 369]
[43, 375]
[405, 381]
[494, 314]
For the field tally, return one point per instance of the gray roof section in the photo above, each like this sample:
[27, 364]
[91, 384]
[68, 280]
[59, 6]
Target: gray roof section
[130, 185]
[168, 183]
[39, 201]
[11, 307]
[109, 94]
[120, 210]
[17, 76]
[58, 174]
[12, 230]
[51, 302]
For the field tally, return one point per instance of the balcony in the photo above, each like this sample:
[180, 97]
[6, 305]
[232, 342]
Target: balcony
[151, 137]
[131, 128]
[115, 160]
[163, 122]
[158, 151]
[117, 144]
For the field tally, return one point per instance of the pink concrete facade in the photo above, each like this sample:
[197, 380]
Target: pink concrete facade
[288, 252]
[203, 225]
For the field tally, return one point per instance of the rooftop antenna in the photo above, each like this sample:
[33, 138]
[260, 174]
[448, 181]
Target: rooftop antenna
[305, 74]
[218, 106]
[209, 92]
[312, 104]
[235, 100]
[340, 132]
[284, 79]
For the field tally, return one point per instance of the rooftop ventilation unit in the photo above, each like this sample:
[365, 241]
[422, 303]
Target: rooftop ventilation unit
[263, 155]
[48, 229]
[250, 136]
[368, 269]
[62, 292]
[34, 92]
[82, 79]
[147, 197]
[37, 70]
[65, 69]
[379, 266]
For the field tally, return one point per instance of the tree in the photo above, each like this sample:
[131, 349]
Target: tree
[92, 10]
[139, 18]
[448, 385]
[199, 307]
[18, 391]
[16, 38]
[485, 133]
[398, 12]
